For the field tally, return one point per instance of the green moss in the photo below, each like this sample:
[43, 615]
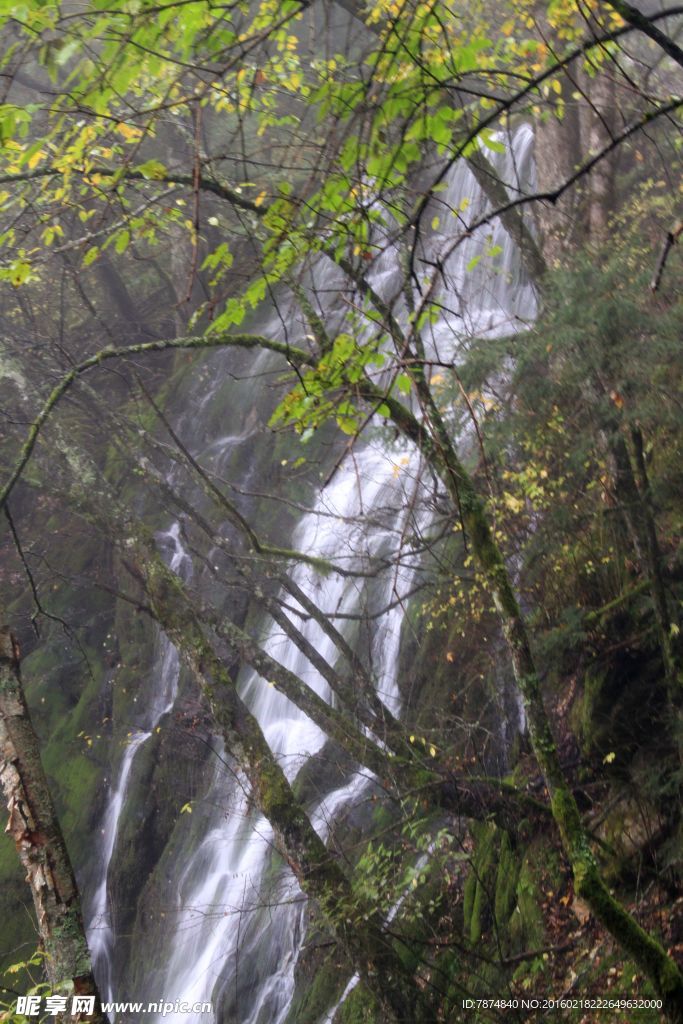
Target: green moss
[359, 1007]
[18, 935]
[480, 885]
[526, 924]
[78, 779]
[75, 766]
[507, 876]
[314, 1000]
[469, 893]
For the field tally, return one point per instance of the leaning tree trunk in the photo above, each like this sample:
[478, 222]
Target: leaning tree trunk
[358, 927]
[38, 838]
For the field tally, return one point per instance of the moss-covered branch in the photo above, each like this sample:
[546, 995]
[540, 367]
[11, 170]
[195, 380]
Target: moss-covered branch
[357, 926]
[204, 341]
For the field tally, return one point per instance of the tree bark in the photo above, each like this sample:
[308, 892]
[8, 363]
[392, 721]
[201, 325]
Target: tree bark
[601, 130]
[656, 574]
[38, 838]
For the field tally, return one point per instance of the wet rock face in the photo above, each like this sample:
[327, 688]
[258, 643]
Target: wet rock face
[623, 702]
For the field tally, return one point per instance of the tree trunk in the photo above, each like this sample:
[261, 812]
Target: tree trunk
[38, 838]
[601, 117]
[557, 151]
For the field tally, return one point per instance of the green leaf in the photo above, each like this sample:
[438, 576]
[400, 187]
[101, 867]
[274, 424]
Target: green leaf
[20, 272]
[91, 255]
[152, 170]
[492, 143]
[343, 346]
[122, 241]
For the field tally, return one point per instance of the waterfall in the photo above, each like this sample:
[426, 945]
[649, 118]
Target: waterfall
[211, 889]
[234, 924]
[165, 675]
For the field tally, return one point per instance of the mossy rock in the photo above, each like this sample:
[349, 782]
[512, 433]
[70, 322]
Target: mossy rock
[315, 998]
[539, 868]
[622, 703]
[480, 885]
[78, 779]
[507, 876]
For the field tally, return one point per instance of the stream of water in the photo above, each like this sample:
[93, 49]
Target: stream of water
[165, 673]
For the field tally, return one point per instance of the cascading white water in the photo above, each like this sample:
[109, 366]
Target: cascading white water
[212, 887]
[165, 672]
[237, 914]
[481, 291]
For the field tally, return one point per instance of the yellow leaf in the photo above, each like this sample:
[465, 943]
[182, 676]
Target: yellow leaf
[512, 503]
[259, 198]
[36, 158]
[128, 131]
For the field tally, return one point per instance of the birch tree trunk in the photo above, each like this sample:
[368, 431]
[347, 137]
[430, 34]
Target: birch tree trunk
[38, 838]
